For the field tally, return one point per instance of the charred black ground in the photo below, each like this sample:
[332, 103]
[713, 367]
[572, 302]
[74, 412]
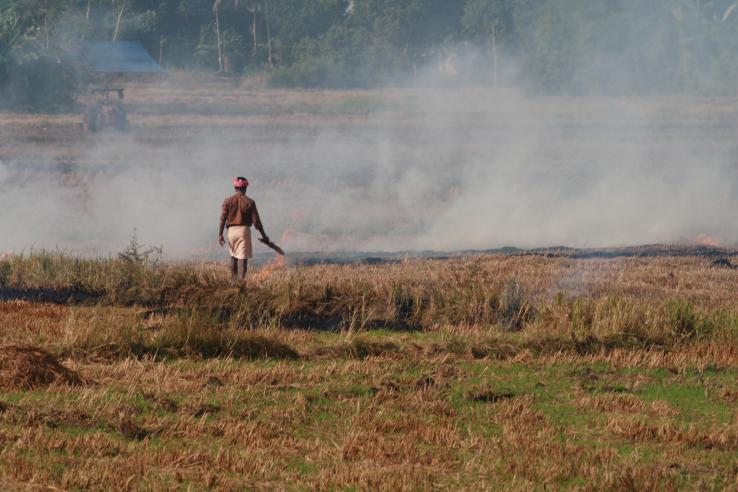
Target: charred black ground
[646, 251]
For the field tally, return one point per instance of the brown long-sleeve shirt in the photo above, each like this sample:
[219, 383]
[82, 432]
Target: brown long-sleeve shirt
[239, 209]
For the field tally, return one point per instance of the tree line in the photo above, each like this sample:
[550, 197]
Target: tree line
[549, 46]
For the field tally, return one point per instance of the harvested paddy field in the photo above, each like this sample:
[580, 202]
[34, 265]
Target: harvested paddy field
[479, 372]
[354, 365]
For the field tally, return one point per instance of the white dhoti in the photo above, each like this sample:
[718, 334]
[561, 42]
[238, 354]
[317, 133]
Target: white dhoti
[239, 242]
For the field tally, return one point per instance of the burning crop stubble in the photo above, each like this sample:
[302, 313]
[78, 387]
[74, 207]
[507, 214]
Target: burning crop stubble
[439, 169]
[478, 372]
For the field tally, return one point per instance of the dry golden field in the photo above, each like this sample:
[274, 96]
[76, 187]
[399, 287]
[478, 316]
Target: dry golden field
[480, 372]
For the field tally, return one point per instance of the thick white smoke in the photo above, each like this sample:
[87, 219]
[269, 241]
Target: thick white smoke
[441, 169]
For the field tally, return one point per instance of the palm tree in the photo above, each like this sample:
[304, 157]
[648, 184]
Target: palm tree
[123, 5]
[253, 9]
[217, 5]
[216, 10]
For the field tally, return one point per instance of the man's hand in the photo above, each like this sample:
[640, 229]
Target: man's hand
[264, 239]
[221, 241]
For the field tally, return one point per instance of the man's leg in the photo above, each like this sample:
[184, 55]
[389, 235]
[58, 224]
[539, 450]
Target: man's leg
[234, 268]
[244, 266]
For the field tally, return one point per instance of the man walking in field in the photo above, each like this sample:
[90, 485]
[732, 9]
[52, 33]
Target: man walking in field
[238, 215]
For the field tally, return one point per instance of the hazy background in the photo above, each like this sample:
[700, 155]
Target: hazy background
[436, 169]
[453, 125]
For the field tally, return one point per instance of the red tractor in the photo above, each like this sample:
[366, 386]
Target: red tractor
[105, 112]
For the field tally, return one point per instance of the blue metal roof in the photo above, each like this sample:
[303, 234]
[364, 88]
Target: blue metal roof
[118, 57]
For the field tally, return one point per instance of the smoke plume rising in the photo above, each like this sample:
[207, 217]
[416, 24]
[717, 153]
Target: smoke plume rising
[410, 169]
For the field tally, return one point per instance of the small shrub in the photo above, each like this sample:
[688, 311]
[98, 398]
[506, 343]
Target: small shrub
[138, 253]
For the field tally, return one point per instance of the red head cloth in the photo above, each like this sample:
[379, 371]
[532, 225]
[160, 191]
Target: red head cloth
[240, 182]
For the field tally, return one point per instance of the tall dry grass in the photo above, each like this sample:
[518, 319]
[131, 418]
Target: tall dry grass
[500, 305]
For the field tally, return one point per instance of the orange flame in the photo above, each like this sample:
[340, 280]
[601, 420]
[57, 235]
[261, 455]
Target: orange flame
[705, 240]
[269, 269]
[278, 262]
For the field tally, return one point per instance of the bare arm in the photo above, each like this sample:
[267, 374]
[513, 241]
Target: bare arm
[223, 215]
